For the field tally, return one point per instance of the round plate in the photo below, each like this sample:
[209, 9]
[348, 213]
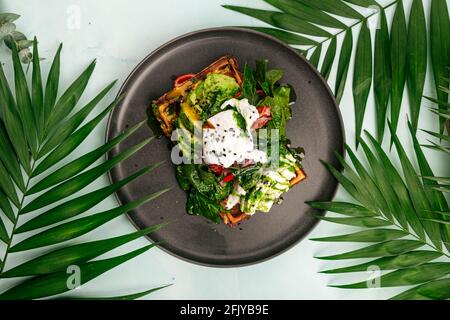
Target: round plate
[316, 125]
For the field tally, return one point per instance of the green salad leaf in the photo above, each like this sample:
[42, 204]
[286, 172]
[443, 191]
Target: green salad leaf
[279, 108]
[199, 204]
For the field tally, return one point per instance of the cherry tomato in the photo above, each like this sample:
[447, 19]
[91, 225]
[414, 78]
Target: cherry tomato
[228, 178]
[183, 78]
[216, 169]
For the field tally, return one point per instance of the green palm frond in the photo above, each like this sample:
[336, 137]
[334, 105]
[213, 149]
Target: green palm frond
[399, 55]
[38, 131]
[405, 216]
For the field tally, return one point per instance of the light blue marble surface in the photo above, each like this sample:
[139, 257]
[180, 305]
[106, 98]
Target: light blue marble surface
[119, 34]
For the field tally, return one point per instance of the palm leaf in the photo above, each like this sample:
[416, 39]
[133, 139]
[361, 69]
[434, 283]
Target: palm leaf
[51, 90]
[37, 92]
[440, 50]
[307, 13]
[12, 122]
[406, 260]
[395, 224]
[52, 134]
[373, 235]
[339, 8]
[56, 283]
[284, 21]
[400, 53]
[416, 59]
[69, 98]
[362, 76]
[398, 62]
[315, 56]
[327, 63]
[23, 103]
[132, 296]
[59, 259]
[382, 74]
[433, 290]
[406, 277]
[288, 37]
[343, 65]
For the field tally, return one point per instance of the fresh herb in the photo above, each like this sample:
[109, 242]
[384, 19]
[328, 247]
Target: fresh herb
[279, 108]
[240, 121]
[249, 177]
[182, 179]
[267, 79]
[249, 85]
[199, 204]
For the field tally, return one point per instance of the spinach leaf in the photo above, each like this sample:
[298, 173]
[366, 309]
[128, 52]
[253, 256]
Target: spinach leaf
[249, 85]
[199, 204]
[249, 177]
[261, 70]
[182, 179]
[206, 182]
[192, 173]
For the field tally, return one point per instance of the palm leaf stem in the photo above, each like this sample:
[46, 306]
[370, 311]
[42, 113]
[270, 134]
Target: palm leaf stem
[319, 43]
[16, 221]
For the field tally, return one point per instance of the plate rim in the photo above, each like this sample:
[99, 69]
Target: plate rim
[342, 152]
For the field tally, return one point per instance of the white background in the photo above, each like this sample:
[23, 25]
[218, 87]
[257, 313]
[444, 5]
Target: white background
[119, 34]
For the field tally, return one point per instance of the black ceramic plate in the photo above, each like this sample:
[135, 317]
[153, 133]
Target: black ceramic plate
[316, 125]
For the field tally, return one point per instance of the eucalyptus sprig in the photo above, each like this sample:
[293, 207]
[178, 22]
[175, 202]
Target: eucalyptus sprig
[39, 128]
[10, 36]
[399, 56]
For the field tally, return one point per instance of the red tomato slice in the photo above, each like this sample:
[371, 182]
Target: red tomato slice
[183, 78]
[228, 178]
[217, 169]
[260, 122]
[264, 111]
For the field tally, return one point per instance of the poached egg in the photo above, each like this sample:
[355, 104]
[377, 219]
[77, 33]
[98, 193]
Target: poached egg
[229, 140]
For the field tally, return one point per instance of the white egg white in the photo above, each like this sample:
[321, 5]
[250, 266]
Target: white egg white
[226, 143]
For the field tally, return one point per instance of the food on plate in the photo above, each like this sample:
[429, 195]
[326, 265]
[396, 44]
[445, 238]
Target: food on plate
[230, 130]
